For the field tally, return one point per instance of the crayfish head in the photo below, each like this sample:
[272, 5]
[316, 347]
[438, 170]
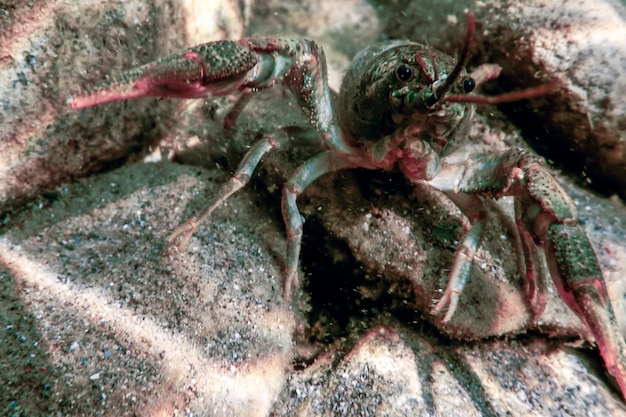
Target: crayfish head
[400, 84]
[405, 88]
[405, 85]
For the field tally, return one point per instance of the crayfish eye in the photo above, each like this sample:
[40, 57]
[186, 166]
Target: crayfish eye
[404, 73]
[469, 85]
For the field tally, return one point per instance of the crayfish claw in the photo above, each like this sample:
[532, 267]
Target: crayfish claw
[599, 318]
[578, 278]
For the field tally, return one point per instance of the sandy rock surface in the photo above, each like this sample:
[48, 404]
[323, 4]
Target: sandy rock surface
[102, 317]
[579, 43]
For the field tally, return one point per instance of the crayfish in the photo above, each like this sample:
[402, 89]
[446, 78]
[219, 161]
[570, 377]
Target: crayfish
[404, 106]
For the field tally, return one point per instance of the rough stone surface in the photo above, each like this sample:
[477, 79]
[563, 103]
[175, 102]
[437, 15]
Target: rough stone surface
[583, 126]
[50, 48]
[121, 325]
[102, 317]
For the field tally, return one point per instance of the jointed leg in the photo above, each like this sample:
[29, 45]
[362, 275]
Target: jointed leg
[461, 269]
[534, 282]
[231, 117]
[239, 180]
[305, 174]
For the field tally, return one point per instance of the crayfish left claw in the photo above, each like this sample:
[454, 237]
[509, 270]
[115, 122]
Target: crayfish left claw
[578, 277]
[600, 319]
[545, 216]
[550, 214]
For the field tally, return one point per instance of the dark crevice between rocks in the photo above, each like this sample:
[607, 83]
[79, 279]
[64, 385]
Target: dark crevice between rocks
[345, 298]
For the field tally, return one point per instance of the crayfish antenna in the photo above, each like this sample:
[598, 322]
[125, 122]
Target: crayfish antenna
[449, 81]
[525, 94]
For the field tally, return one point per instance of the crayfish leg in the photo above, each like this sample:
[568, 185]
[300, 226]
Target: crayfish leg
[313, 168]
[239, 180]
[464, 257]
